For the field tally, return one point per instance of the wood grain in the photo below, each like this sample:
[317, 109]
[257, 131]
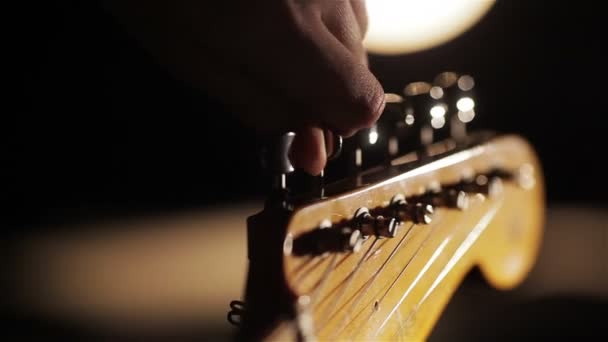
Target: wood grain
[401, 297]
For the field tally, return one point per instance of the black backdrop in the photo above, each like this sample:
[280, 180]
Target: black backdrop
[95, 128]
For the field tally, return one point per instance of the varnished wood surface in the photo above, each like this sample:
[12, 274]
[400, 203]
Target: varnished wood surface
[395, 289]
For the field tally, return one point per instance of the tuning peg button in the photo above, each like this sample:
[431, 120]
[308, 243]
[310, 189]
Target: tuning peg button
[386, 226]
[490, 186]
[379, 226]
[458, 94]
[350, 240]
[418, 102]
[419, 213]
[327, 240]
[449, 198]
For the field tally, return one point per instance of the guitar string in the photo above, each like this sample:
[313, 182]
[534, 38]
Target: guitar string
[405, 267]
[332, 266]
[328, 311]
[368, 284]
[424, 269]
[312, 266]
[346, 257]
[302, 265]
[464, 246]
[338, 286]
[321, 283]
[412, 258]
[484, 221]
[347, 281]
[361, 292]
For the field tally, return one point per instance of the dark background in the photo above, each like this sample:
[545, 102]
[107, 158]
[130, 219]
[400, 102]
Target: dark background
[97, 129]
[94, 129]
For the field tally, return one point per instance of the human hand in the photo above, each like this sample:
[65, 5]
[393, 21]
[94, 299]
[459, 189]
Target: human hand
[282, 65]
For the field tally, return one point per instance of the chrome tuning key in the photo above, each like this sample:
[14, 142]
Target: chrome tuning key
[379, 226]
[458, 96]
[275, 161]
[419, 213]
[417, 106]
[327, 239]
[440, 111]
[483, 184]
[397, 127]
[301, 182]
[447, 197]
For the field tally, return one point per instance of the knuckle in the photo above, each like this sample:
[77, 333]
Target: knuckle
[367, 102]
[368, 108]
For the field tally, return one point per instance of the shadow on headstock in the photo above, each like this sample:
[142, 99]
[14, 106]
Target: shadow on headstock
[378, 253]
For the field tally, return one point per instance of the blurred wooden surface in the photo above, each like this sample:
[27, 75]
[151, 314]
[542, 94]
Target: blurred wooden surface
[178, 271]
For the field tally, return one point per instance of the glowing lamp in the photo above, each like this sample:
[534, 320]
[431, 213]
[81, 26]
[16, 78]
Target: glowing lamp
[403, 26]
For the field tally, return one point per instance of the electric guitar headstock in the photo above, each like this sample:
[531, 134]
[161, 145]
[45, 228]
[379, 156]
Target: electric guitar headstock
[377, 252]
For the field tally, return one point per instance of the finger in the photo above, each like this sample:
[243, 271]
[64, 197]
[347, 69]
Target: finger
[317, 74]
[360, 12]
[340, 19]
[308, 151]
[362, 94]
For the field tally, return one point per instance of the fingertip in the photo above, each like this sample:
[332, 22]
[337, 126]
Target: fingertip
[363, 101]
[377, 103]
[308, 151]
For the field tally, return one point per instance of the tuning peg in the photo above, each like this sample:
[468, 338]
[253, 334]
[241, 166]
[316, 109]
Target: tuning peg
[275, 159]
[449, 198]
[364, 149]
[301, 182]
[326, 239]
[418, 103]
[458, 94]
[379, 226]
[394, 119]
[419, 213]
[334, 143]
[482, 184]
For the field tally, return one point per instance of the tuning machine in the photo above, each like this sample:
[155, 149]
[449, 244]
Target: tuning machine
[379, 226]
[444, 197]
[418, 102]
[326, 239]
[485, 184]
[274, 158]
[396, 124]
[419, 213]
[456, 93]
[287, 180]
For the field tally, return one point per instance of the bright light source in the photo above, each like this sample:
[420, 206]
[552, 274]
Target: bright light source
[465, 104]
[466, 82]
[401, 26]
[438, 122]
[436, 92]
[373, 135]
[409, 119]
[438, 111]
[467, 116]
